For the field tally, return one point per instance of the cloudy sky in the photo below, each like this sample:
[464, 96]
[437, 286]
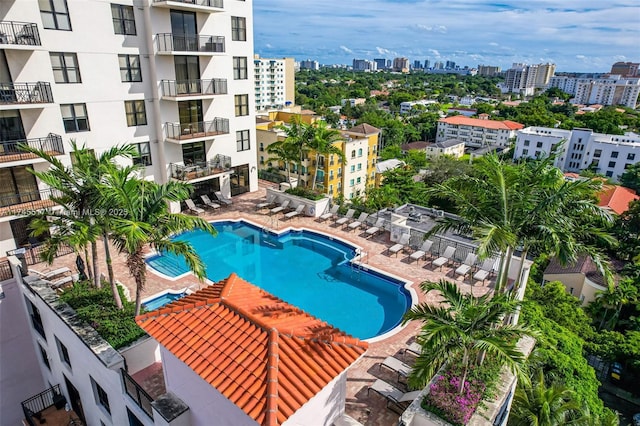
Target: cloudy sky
[576, 35]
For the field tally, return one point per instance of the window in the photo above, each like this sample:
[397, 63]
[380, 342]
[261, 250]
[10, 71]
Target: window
[238, 28]
[526, 143]
[351, 182]
[242, 140]
[133, 420]
[359, 166]
[353, 168]
[55, 14]
[129, 68]
[36, 319]
[45, 357]
[614, 154]
[261, 147]
[525, 151]
[353, 154]
[360, 152]
[597, 153]
[143, 154]
[123, 20]
[193, 153]
[102, 398]
[63, 352]
[539, 145]
[239, 68]
[74, 117]
[631, 156]
[242, 105]
[136, 113]
[358, 180]
[65, 67]
[609, 174]
[612, 164]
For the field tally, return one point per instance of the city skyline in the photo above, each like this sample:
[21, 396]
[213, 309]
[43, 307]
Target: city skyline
[588, 36]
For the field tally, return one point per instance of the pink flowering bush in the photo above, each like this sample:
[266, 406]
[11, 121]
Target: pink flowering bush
[445, 400]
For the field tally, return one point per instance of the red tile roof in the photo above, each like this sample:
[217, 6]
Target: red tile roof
[477, 122]
[616, 198]
[265, 355]
[363, 129]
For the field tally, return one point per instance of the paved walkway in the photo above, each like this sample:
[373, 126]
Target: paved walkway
[367, 409]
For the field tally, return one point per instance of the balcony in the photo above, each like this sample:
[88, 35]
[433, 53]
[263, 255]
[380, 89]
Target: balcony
[171, 44]
[25, 95]
[191, 5]
[27, 202]
[195, 132]
[48, 407]
[193, 89]
[19, 35]
[13, 150]
[202, 170]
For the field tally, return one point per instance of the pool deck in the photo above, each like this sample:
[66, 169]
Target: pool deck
[370, 409]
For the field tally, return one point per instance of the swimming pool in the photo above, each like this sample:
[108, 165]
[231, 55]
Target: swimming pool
[159, 300]
[304, 268]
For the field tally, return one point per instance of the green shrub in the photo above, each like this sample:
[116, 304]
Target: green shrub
[305, 193]
[97, 308]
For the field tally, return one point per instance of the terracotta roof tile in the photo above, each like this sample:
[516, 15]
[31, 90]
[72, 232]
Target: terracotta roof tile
[616, 198]
[363, 129]
[266, 356]
[487, 124]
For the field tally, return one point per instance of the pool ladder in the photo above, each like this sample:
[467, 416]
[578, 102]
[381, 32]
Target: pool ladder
[358, 265]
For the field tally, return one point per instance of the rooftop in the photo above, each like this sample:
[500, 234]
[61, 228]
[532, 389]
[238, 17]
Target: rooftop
[461, 120]
[363, 129]
[616, 198]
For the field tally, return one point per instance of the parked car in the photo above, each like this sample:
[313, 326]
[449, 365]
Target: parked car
[615, 371]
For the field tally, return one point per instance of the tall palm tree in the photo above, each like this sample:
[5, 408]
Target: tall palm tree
[614, 298]
[322, 142]
[297, 137]
[285, 152]
[536, 404]
[461, 329]
[145, 222]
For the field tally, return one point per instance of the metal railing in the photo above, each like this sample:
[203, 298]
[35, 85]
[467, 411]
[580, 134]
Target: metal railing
[26, 202]
[26, 93]
[5, 270]
[219, 164]
[168, 42]
[216, 86]
[271, 177]
[33, 253]
[24, 33]
[139, 395]
[206, 3]
[218, 126]
[40, 402]
[12, 150]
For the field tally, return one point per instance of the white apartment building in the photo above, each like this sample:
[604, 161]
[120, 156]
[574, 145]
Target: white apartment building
[364, 65]
[476, 132]
[275, 83]
[308, 64]
[525, 79]
[406, 107]
[579, 149]
[611, 90]
[171, 77]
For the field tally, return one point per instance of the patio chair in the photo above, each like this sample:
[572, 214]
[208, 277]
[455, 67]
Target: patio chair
[280, 208]
[396, 399]
[397, 248]
[422, 253]
[296, 212]
[208, 203]
[61, 282]
[268, 204]
[50, 274]
[446, 257]
[191, 206]
[358, 222]
[223, 200]
[397, 366]
[414, 349]
[346, 218]
[375, 229]
[328, 215]
[466, 266]
[486, 270]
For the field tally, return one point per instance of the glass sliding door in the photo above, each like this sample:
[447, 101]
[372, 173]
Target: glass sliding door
[187, 75]
[191, 118]
[184, 31]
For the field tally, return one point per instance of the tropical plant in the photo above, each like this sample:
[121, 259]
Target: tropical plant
[461, 330]
[297, 137]
[614, 298]
[322, 142]
[285, 152]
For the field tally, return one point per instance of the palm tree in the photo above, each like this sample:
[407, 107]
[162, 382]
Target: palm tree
[145, 222]
[537, 404]
[461, 329]
[285, 152]
[322, 142]
[297, 137]
[614, 298]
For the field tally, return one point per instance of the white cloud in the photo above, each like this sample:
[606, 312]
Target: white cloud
[581, 57]
[268, 46]
[346, 49]
[493, 43]
[434, 52]
[436, 29]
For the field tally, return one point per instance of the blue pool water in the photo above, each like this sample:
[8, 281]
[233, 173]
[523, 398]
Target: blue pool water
[158, 302]
[303, 268]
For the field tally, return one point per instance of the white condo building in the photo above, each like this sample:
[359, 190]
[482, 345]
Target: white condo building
[275, 83]
[524, 79]
[172, 77]
[579, 149]
[611, 90]
[477, 132]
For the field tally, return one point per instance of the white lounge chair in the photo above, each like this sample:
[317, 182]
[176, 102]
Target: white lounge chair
[269, 203]
[223, 200]
[296, 212]
[208, 203]
[346, 218]
[414, 349]
[446, 257]
[397, 366]
[466, 266]
[61, 282]
[396, 399]
[50, 274]
[328, 215]
[358, 222]
[191, 206]
[280, 208]
[376, 228]
[485, 271]
[422, 252]
[400, 246]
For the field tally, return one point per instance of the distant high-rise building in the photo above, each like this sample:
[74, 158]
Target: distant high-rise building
[438, 65]
[380, 63]
[401, 65]
[524, 79]
[363, 65]
[309, 65]
[612, 90]
[275, 82]
[426, 64]
[450, 65]
[388, 64]
[417, 65]
[488, 70]
[626, 69]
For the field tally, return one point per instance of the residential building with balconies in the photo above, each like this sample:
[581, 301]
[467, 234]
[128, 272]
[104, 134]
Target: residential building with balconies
[274, 83]
[171, 77]
[477, 132]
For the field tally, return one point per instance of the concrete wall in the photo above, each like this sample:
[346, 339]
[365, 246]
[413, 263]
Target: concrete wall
[141, 354]
[313, 208]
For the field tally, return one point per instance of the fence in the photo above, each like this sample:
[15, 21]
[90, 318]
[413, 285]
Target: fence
[5, 270]
[25, 33]
[33, 254]
[139, 395]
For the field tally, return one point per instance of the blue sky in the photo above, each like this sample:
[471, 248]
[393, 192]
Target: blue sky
[576, 35]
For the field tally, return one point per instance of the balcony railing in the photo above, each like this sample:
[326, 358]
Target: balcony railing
[26, 93]
[13, 150]
[23, 33]
[27, 202]
[205, 3]
[168, 42]
[220, 163]
[33, 253]
[173, 88]
[182, 131]
[139, 395]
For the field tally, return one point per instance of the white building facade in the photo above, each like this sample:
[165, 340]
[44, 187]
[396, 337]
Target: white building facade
[171, 77]
[525, 79]
[274, 83]
[476, 132]
[611, 90]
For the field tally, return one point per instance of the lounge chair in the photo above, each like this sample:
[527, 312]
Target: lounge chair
[223, 200]
[191, 206]
[358, 222]
[396, 248]
[346, 218]
[50, 274]
[280, 208]
[268, 204]
[375, 229]
[446, 257]
[208, 203]
[485, 271]
[296, 212]
[397, 366]
[466, 266]
[414, 349]
[331, 213]
[396, 399]
[61, 282]
[422, 253]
